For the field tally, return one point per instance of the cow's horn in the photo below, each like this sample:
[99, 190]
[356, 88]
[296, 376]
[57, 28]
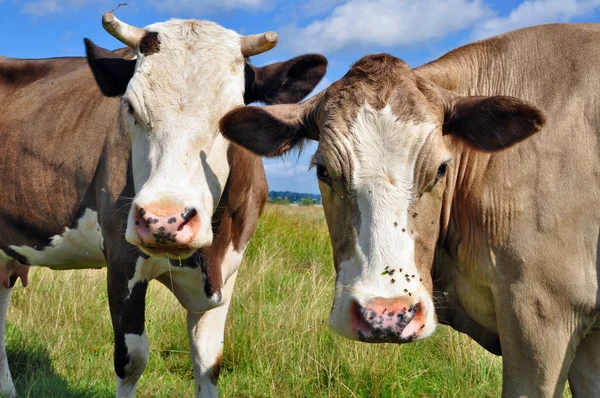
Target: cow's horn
[259, 43]
[125, 33]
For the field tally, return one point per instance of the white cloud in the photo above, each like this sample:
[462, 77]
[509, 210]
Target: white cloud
[203, 7]
[291, 172]
[286, 168]
[536, 12]
[316, 7]
[385, 23]
[40, 8]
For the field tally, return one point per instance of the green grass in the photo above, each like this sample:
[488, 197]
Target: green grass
[277, 341]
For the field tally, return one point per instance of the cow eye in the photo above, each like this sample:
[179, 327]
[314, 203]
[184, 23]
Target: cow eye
[441, 171]
[130, 110]
[322, 173]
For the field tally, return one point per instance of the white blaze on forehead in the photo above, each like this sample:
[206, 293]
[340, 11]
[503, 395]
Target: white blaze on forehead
[179, 94]
[384, 156]
[198, 67]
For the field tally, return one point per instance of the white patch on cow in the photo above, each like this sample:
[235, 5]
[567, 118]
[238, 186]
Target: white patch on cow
[206, 332]
[231, 262]
[125, 389]
[187, 283]
[179, 94]
[77, 248]
[7, 388]
[147, 269]
[384, 156]
[138, 352]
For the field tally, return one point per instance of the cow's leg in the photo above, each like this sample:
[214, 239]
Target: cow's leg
[127, 307]
[538, 342]
[206, 332]
[584, 375]
[7, 388]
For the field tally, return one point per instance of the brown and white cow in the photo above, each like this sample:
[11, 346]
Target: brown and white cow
[93, 181]
[445, 206]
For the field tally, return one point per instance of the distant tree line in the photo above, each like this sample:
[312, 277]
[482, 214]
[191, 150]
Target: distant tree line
[288, 197]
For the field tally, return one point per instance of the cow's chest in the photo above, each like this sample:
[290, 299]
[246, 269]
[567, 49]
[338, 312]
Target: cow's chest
[186, 283]
[76, 248]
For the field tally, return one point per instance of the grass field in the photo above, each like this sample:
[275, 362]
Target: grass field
[277, 342]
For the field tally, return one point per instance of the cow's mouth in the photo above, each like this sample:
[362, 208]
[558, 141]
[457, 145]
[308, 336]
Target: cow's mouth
[175, 253]
[399, 328]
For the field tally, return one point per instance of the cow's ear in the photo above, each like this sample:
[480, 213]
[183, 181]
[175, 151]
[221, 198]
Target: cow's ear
[492, 123]
[284, 82]
[111, 71]
[266, 130]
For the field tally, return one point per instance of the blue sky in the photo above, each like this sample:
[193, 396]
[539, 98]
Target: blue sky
[417, 31]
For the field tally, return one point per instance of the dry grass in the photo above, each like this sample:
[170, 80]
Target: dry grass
[278, 343]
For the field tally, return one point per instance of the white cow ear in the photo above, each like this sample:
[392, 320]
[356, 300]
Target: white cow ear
[267, 130]
[491, 123]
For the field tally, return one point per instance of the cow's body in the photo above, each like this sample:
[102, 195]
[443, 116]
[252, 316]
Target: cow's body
[522, 225]
[86, 196]
[507, 240]
[68, 182]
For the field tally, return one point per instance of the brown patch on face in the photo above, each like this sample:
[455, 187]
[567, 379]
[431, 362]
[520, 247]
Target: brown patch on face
[150, 44]
[425, 209]
[216, 369]
[378, 80]
[343, 222]
[236, 216]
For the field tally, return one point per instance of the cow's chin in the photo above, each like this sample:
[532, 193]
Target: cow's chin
[176, 254]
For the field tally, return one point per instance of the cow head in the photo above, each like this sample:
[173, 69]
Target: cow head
[386, 139]
[186, 76]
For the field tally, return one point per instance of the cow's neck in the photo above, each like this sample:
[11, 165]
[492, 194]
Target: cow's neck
[469, 231]
[470, 70]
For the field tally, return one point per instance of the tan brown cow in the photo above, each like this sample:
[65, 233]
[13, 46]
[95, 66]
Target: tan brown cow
[445, 206]
[91, 181]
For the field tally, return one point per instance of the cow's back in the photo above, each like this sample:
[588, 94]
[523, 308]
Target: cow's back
[54, 126]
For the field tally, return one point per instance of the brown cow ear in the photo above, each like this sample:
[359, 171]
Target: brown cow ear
[266, 130]
[492, 123]
[111, 69]
[284, 82]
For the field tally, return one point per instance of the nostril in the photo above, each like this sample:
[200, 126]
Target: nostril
[410, 314]
[142, 221]
[188, 213]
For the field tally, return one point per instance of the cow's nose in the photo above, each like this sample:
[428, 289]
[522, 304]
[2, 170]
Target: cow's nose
[382, 320]
[166, 228]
